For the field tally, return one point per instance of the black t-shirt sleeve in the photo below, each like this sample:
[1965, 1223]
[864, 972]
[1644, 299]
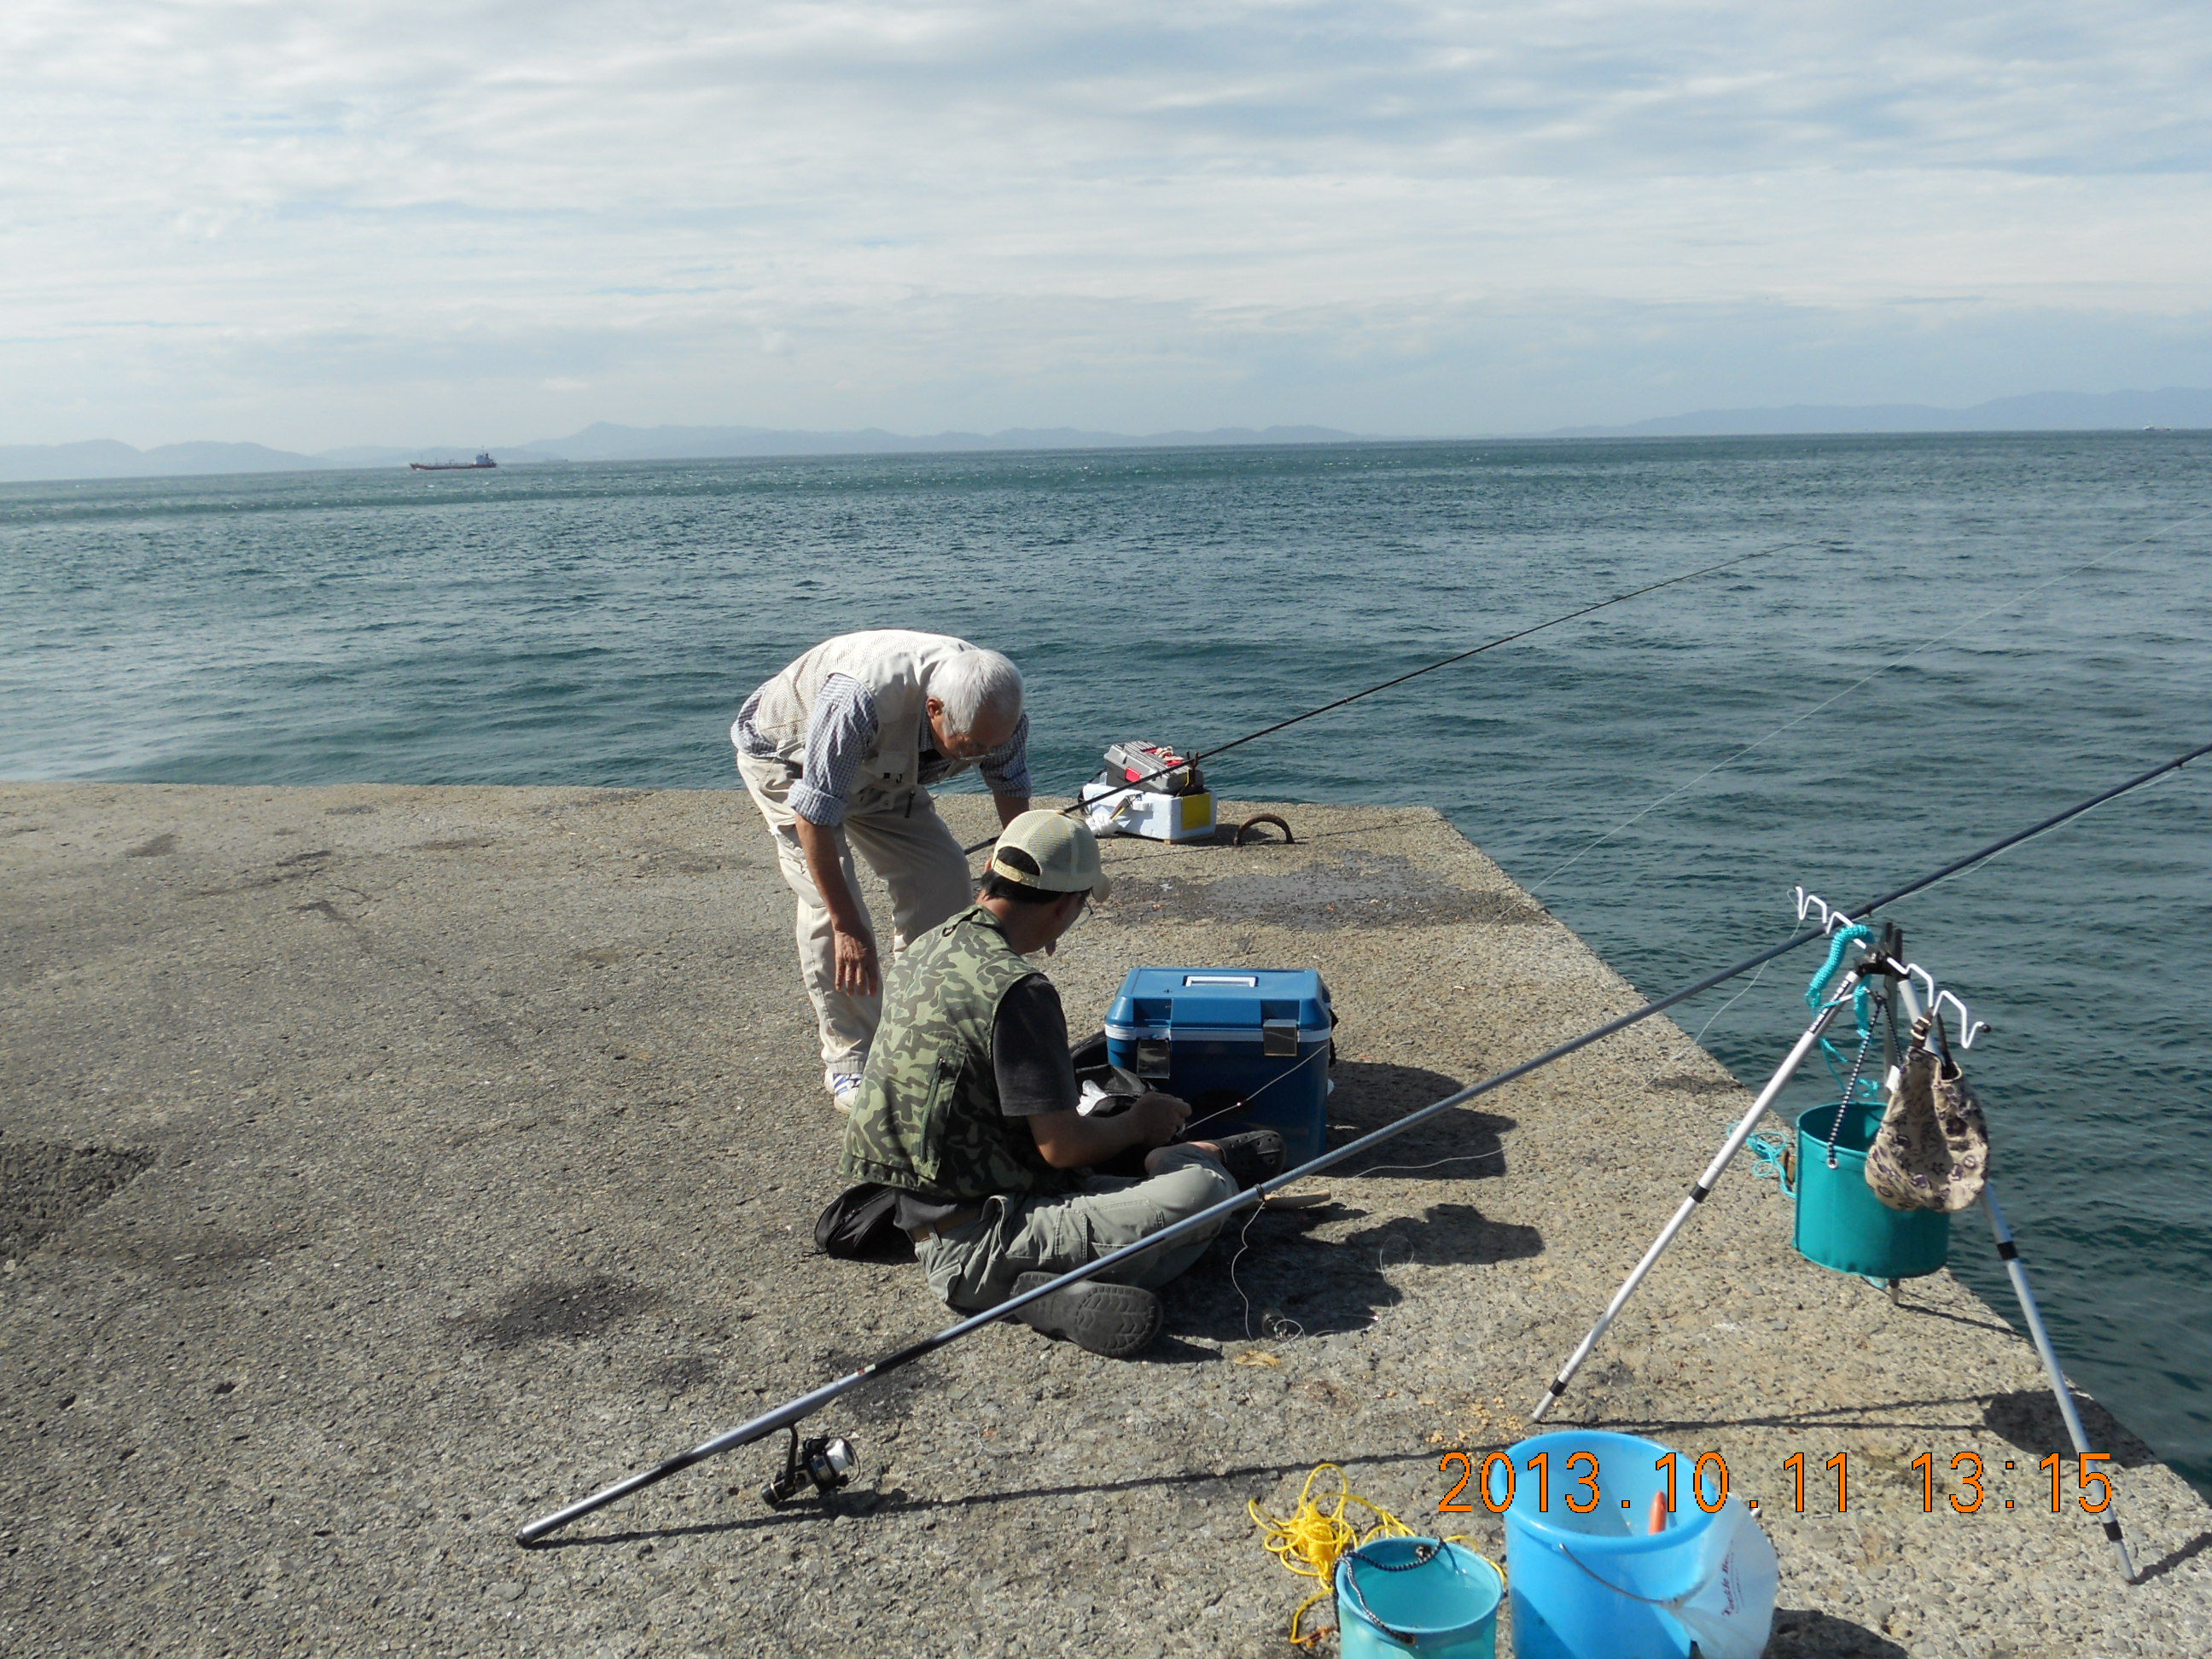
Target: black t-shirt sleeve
[1029, 1051]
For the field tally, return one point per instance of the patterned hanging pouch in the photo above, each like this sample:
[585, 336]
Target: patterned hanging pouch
[1932, 1151]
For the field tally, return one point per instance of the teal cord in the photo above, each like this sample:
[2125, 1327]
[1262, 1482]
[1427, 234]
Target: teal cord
[1767, 1160]
[1815, 996]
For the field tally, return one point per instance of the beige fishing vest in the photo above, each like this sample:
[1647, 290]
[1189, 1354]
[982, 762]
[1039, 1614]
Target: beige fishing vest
[894, 664]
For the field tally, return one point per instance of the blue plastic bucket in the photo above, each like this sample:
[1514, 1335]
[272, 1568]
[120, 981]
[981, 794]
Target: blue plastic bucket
[1394, 1596]
[1840, 1222]
[1583, 1568]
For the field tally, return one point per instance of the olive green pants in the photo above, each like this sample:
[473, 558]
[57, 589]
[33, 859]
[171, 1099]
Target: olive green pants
[974, 1267]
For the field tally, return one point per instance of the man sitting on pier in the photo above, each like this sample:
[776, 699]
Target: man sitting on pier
[968, 1108]
[838, 751]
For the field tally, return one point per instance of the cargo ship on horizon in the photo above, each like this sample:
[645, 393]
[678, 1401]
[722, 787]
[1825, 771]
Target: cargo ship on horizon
[484, 459]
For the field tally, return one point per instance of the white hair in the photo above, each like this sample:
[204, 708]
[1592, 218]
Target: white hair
[973, 681]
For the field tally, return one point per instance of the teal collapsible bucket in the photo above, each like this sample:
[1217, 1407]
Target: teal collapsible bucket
[1840, 1222]
[1583, 1570]
[1401, 1595]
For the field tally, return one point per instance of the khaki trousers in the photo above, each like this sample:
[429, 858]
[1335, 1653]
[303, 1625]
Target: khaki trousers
[974, 1267]
[906, 843]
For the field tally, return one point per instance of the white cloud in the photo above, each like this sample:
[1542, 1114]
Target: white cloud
[308, 217]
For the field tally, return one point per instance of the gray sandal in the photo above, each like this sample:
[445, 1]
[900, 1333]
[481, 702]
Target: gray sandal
[1116, 1320]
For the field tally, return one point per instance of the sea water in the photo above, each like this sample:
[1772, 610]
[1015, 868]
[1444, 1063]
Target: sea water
[1663, 774]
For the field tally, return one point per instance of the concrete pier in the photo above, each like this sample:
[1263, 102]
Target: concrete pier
[381, 1167]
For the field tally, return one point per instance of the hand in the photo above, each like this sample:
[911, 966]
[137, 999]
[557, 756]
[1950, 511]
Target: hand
[1157, 1119]
[857, 973]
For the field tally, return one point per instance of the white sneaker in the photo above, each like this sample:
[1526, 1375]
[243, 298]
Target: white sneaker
[844, 1088]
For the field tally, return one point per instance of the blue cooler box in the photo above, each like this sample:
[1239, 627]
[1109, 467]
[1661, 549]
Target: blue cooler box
[1260, 1032]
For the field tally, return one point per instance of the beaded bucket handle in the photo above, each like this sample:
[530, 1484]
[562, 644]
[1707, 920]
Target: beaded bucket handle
[1424, 1553]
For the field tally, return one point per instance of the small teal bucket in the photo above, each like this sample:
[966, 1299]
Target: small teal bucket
[1840, 1222]
[1584, 1582]
[1401, 1595]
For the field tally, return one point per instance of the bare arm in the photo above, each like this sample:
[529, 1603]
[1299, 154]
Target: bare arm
[1010, 807]
[1070, 1140]
[853, 943]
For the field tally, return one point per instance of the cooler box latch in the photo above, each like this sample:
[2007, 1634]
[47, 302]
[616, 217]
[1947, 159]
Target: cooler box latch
[1278, 1039]
[1153, 1054]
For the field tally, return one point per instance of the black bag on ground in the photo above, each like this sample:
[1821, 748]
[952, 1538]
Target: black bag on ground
[862, 1222]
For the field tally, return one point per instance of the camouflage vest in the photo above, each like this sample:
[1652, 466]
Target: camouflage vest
[928, 1119]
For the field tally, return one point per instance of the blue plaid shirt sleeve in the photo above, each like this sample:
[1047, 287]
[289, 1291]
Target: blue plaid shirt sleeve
[1007, 769]
[839, 729]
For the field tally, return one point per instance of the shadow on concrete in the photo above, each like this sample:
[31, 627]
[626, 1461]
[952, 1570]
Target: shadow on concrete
[543, 1308]
[1800, 1633]
[1883, 1414]
[1904, 1304]
[1270, 1279]
[899, 1501]
[890, 1397]
[1457, 1145]
[2030, 1420]
[2165, 1563]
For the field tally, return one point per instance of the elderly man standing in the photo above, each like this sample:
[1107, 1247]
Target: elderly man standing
[838, 751]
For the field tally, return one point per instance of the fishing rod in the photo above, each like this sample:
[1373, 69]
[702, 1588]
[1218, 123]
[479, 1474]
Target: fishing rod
[1431, 668]
[793, 1411]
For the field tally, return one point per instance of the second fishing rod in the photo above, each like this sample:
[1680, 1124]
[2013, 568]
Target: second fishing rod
[1190, 762]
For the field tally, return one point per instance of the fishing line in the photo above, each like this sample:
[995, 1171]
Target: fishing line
[1699, 1041]
[2022, 599]
[792, 1412]
[1431, 668]
[2012, 847]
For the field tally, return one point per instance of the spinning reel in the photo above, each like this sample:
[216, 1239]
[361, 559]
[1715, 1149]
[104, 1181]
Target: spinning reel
[821, 1463]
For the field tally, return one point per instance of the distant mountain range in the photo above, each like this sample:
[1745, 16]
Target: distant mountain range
[2039, 411]
[104, 458]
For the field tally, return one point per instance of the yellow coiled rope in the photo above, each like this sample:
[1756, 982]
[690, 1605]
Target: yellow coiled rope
[1308, 1540]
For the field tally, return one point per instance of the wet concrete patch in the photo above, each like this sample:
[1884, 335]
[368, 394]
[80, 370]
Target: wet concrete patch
[297, 867]
[683, 1372]
[184, 1257]
[43, 1189]
[1696, 1085]
[582, 1307]
[1350, 890]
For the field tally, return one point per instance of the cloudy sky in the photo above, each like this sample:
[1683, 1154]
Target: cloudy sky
[309, 224]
